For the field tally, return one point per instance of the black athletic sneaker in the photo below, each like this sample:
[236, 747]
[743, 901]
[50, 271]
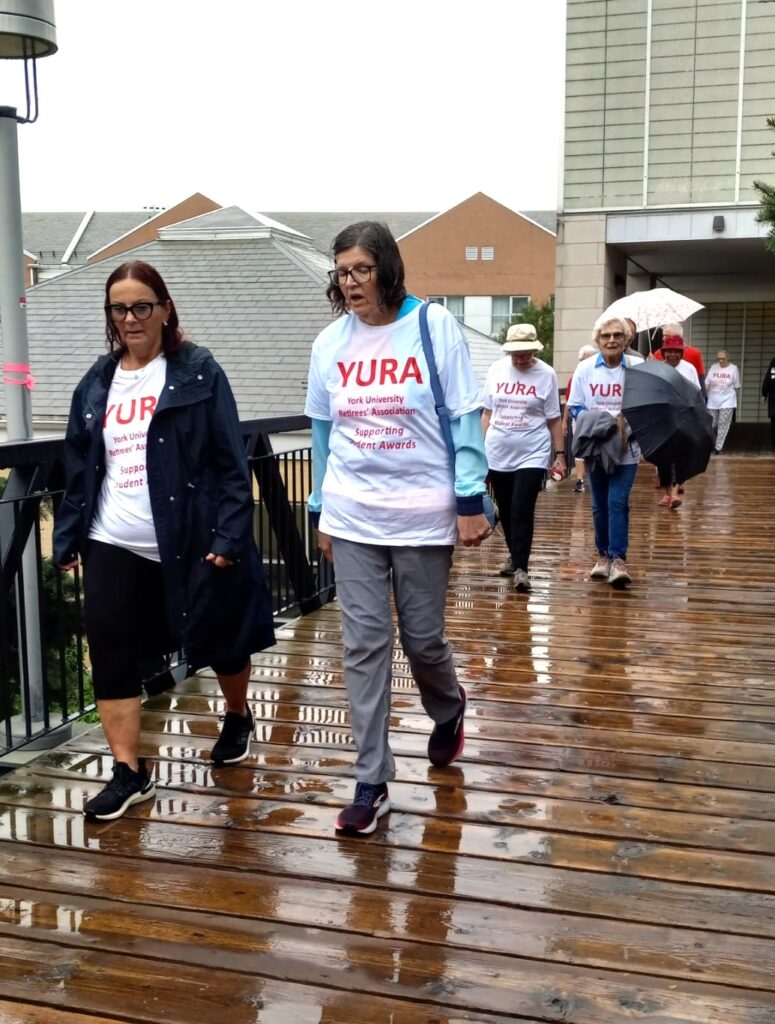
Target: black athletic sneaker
[124, 789]
[360, 817]
[233, 744]
[447, 739]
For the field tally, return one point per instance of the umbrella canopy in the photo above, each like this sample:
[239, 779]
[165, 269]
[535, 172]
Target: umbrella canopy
[668, 418]
[652, 309]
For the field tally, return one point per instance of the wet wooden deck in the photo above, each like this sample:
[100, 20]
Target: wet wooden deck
[602, 854]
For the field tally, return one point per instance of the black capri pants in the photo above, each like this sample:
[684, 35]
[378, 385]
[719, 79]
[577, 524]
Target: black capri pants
[125, 615]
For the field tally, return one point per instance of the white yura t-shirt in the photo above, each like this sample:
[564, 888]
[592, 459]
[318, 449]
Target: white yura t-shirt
[720, 384]
[521, 402]
[388, 478]
[124, 515]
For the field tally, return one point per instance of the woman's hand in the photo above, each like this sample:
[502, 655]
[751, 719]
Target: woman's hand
[218, 561]
[472, 530]
[326, 547]
[66, 566]
[559, 469]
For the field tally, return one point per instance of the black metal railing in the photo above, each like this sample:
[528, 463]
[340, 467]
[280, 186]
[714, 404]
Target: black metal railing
[44, 667]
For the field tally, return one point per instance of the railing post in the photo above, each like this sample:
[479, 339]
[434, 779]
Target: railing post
[280, 515]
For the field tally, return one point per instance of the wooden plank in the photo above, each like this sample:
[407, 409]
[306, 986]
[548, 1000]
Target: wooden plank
[90, 981]
[542, 887]
[450, 803]
[395, 916]
[483, 702]
[503, 721]
[29, 1013]
[333, 746]
[574, 786]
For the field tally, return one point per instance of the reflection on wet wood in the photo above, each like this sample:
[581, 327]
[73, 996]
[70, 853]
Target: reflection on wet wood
[601, 853]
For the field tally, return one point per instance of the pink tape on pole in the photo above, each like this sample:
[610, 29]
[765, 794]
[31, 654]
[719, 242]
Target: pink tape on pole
[28, 380]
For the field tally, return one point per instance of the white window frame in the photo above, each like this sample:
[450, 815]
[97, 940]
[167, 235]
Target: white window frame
[488, 252]
[472, 253]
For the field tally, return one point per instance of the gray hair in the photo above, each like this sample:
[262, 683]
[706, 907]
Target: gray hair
[675, 329]
[623, 326]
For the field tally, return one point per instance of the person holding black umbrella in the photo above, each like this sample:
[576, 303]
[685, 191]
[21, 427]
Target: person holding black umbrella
[672, 353]
[598, 386]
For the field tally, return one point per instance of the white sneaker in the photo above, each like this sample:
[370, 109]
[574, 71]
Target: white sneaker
[601, 569]
[618, 576]
[522, 583]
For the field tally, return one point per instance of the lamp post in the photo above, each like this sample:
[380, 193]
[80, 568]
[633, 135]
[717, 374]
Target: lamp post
[27, 31]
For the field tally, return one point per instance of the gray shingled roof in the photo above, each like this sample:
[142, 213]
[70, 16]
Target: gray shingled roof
[322, 228]
[546, 218]
[257, 302]
[105, 228]
[47, 235]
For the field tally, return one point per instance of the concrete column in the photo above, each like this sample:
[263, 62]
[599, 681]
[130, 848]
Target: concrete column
[587, 275]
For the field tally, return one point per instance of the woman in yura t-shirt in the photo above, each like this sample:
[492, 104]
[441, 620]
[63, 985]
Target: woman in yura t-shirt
[523, 436]
[722, 385]
[391, 507]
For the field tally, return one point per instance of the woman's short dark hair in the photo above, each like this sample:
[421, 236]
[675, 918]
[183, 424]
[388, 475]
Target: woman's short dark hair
[172, 337]
[376, 239]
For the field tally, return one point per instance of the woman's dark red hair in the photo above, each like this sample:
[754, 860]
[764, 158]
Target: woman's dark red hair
[171, 335]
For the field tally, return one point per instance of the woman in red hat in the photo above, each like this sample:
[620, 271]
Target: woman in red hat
[672, 353]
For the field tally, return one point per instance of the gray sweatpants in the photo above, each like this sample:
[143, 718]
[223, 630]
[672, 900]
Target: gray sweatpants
[418, 577]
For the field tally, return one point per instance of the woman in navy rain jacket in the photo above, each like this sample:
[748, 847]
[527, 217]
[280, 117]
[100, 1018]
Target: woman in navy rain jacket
[158, 506]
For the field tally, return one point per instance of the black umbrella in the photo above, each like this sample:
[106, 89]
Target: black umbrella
[668, 418]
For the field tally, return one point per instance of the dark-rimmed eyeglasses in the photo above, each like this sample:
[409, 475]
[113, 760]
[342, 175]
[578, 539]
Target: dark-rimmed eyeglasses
[140, 310]
[612, 335]
[360, 274]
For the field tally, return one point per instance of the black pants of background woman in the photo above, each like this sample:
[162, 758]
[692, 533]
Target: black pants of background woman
[516, 494]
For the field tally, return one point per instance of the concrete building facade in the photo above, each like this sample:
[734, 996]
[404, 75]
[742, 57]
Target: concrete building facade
[665, 133]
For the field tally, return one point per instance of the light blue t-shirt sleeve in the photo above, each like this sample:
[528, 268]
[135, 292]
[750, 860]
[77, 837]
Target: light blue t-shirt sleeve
[321, 431]
[470, 459]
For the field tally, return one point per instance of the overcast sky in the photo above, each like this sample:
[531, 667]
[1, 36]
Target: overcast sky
[297, 105]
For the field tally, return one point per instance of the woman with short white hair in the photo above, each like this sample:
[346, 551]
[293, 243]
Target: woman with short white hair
[598, 386]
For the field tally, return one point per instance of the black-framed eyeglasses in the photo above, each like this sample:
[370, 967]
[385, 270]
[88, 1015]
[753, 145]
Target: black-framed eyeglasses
[615, 335]
[140, 310]
[360, 274]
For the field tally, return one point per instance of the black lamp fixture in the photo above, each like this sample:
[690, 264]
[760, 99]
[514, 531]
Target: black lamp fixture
[718, 224]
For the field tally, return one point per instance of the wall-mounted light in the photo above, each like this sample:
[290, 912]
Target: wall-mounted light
[718, 224]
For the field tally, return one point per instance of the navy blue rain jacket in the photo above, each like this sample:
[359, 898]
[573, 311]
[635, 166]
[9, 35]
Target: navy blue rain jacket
[201, 500]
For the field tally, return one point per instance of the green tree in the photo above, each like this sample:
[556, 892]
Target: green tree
[766, 214]
[542, 318]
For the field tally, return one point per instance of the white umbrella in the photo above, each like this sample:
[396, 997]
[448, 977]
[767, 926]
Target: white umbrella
[652, 309]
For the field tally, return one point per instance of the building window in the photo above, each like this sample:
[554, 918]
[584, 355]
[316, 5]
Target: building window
[517, 303]
[441, 299]
[501, 314]
[488, 252]
[472, 252]
[455, 305]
